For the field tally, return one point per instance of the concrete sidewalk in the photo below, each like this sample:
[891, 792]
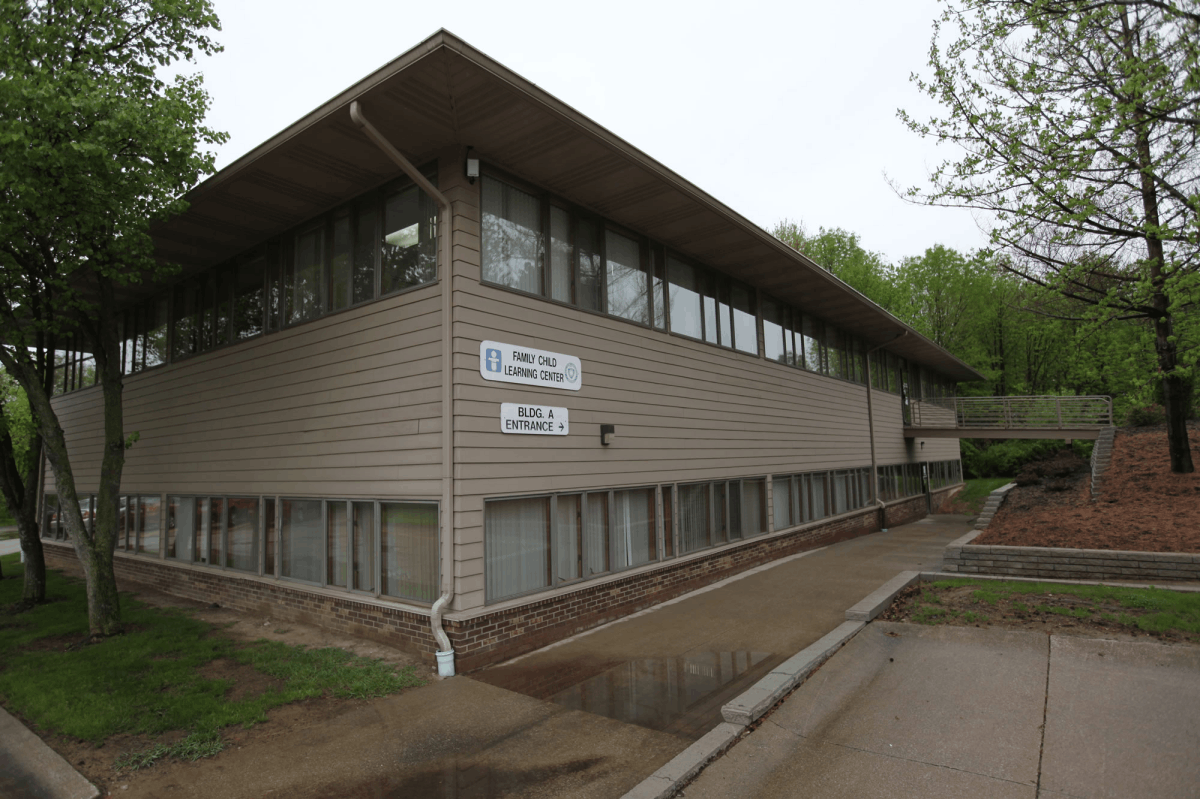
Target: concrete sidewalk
[909, 710]
[625, 699]
[673, 667]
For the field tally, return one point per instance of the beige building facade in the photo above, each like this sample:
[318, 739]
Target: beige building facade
[320, 394]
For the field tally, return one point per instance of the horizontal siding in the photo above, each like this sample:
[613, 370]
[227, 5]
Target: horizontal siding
[684, 411]
[348, 405]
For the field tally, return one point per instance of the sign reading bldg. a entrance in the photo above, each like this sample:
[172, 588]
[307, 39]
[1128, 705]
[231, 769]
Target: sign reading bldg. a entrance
[535, 420]
[512, 364]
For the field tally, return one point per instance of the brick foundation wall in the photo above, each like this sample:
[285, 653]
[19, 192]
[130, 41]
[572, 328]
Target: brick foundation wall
[487, 638]
[1070, 564]
[278, 600]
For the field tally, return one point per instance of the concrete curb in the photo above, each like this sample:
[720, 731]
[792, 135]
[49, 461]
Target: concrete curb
[767, 692]
[29, 768]
[877, 601]
[755, 701]
[687, 764]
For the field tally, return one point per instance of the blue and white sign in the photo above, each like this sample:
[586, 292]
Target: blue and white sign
[533, 420]
[509, 363]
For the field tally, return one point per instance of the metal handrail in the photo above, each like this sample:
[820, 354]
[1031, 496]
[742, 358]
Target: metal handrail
[1013, 413]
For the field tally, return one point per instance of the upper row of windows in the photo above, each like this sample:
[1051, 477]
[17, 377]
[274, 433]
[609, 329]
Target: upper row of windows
[539, 245]
[382, 243]
[385, 242]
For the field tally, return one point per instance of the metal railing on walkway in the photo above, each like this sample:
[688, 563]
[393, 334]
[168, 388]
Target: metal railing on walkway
[1011, 413]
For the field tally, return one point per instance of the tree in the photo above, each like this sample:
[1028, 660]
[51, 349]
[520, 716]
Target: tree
[20, 463]
[1079, 122]
[838, 251]
[94, 146]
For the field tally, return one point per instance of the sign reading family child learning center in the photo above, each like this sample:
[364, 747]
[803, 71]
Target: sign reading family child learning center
[537, 420]
[512, 364]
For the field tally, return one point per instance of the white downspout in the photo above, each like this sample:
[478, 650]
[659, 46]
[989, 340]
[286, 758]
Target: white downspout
[871, 430]
[445, 653]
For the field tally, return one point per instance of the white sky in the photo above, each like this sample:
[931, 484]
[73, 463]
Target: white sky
[780, 110]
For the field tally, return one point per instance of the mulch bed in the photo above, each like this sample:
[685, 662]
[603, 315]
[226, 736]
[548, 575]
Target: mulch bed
[1142, 507]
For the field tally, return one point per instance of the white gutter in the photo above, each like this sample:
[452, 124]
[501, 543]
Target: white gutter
[445, 653]
[871, 429]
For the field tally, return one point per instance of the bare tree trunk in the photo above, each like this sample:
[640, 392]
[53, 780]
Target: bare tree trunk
[21, 495]
[1174, 389]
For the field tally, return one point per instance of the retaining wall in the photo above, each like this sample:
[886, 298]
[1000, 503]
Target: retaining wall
[1069, 564]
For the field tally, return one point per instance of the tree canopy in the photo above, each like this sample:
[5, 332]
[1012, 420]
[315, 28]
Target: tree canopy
[1077, 122]
[95, 145]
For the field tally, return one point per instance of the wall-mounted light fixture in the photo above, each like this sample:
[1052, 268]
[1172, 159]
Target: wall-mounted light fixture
[472, 166]
[607, 433]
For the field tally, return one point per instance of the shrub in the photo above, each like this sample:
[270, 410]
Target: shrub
[1004, 458]
[1145, 416]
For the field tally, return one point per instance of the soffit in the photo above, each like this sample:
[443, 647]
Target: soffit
[443, 92]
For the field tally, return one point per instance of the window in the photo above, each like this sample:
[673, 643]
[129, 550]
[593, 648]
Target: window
[337, 544]
[511, 237]
[409, 554]
[241, 534]
[814, 348]
[635, 528]
[181, 527]
[568, 532]
[694, 529]
[537, 246]
[408, 255]
[362, 545]
[149, 511]
[777, 337]
[627, 278]
[754, 507]
[684, 283]
[303, 276]
[782, 501]
[301, 539]
[517, 546]
[745, 322]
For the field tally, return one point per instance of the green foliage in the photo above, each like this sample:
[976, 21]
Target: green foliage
[148, 680]
[1145, 416]
[95, 146]
[1003, 458]
[205, 743]
[839, 252]
[1076, 131]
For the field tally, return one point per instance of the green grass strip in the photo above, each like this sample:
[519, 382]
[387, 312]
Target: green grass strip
[148, 681]
[1162, 610]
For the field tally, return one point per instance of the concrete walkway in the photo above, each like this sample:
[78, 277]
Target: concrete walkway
[907, 710]
[672, 668]
[9, 545]
[624, 699]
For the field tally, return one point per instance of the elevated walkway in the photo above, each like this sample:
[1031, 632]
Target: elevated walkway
[1008, 417]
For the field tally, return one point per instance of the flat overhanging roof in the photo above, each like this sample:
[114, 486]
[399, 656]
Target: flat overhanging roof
[444, 92]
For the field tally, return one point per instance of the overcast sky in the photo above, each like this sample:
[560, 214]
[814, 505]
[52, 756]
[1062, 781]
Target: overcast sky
[780, 110]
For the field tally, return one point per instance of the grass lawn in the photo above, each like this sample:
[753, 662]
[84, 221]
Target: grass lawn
[1156, 611]
[148, 681]
[976, 491]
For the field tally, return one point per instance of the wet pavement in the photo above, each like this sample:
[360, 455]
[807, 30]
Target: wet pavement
[909, 710]
[673, 667]
[589, 717]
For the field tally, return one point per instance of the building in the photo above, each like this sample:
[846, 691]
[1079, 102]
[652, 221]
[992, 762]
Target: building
[321, 394]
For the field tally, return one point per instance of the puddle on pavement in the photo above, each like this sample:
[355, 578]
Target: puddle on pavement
[678, 695]
[471, 779]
